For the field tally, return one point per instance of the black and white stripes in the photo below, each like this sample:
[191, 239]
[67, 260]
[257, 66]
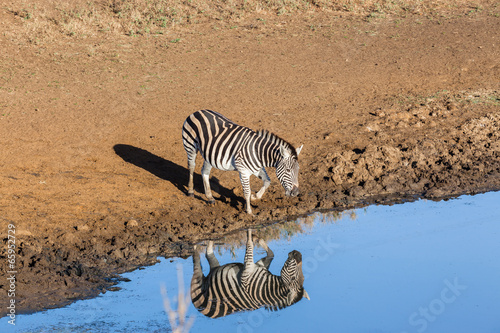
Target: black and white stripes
[228, 146]
[239, 287]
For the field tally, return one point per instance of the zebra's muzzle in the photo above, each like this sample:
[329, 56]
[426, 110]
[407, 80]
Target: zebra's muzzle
[294, 192]
[295, 255]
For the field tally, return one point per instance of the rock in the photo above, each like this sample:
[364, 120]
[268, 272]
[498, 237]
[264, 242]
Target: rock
[131, 223]
[82, 227]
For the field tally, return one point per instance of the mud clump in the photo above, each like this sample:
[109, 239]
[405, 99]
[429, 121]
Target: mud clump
[427, 167]
[84, 263]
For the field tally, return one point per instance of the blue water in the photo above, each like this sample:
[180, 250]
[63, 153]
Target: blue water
[423, 266]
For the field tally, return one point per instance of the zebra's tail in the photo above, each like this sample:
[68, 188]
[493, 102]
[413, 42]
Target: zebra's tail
[189, 139]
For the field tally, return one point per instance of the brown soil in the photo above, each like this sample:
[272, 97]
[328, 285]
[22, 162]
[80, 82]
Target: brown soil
[93, 172]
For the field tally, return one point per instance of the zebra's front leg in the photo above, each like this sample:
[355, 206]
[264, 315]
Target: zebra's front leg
[266, 182]
[245, 183]
[266, 261]
[205, 174]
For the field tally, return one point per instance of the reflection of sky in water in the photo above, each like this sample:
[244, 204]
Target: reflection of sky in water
[418, 267]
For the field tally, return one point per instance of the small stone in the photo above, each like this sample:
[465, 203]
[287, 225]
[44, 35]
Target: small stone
[131, 223]
[452, 106]
[23, 232]
[82, 227]
[378, 113]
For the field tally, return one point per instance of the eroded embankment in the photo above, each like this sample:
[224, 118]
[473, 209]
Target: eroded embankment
[465, 161]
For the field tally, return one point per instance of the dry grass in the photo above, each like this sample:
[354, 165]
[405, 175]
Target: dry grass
[85, 18]
[179, 321]
[283, 230]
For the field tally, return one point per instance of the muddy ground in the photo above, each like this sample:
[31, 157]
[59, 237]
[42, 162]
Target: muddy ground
[93, 173]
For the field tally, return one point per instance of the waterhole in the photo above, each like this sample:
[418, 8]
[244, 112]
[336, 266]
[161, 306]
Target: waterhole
[421, 266]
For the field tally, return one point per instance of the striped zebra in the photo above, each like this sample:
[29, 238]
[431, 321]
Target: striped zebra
[228, 146]
[249, 286]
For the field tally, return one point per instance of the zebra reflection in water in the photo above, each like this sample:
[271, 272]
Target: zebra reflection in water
[239, 287]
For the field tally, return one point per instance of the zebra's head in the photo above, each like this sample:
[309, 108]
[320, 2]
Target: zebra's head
[287, 169]
[292, 276]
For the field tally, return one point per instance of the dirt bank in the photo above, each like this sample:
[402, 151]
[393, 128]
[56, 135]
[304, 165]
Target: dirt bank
[93, 172]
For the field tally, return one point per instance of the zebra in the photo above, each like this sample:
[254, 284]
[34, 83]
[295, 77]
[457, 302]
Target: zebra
[239, 287]
[228, 146]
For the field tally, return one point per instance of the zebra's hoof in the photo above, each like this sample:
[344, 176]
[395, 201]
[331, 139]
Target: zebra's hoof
[190, 195]
[210, 247]
[211, 202]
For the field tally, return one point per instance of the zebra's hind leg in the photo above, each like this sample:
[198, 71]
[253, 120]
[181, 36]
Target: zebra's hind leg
[212, 260]
[205, 174]
[248, 264]
[197, 280]
[191, 155]
[266, 182]
[196, 262]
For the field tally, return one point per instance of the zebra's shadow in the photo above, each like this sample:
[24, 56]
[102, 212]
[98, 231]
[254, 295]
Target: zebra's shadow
[170, 171]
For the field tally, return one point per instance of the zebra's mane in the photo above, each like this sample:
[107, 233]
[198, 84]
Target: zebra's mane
[276, 307]
[277, 140]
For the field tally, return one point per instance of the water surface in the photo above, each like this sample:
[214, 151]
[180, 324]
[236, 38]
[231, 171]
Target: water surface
[423, 266]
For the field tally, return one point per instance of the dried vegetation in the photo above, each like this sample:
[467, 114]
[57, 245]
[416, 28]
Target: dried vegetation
[82, 18]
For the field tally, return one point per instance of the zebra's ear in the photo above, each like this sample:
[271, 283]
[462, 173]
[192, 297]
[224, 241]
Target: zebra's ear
[298, 150]
[290, 297]
[306, 295]
[284, 151]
